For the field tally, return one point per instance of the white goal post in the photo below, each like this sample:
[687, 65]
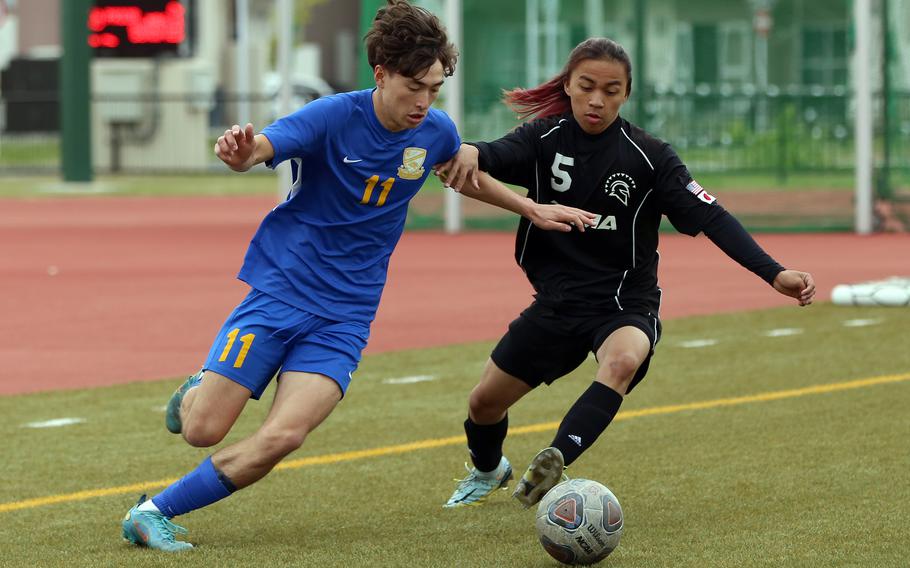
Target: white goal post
[452, 104]
[862, 92]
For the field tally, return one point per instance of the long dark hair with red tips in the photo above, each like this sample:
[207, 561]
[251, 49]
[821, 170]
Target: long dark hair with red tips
[550, 98]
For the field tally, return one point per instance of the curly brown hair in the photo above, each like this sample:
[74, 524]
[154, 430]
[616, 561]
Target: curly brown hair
[407, 39]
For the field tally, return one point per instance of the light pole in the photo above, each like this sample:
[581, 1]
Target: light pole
[862, 89]
[75, 83]
[453, 107]
[762, 22]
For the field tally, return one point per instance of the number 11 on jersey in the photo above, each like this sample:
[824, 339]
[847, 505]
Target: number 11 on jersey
[368, 192]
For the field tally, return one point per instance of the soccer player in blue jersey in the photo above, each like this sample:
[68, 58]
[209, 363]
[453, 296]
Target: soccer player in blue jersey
[317, 265]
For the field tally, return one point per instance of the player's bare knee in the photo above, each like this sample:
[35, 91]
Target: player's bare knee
[279, 442]
[621, 367]
[484, 408]
[200, 434]
[201, 439]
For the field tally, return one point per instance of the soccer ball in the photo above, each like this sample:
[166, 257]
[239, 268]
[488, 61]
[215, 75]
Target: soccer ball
[579, 522]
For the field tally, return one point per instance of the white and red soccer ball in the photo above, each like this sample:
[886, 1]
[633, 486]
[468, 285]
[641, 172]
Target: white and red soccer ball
[579, 522]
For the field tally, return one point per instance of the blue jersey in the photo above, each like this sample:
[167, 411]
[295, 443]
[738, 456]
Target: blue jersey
[326, 249]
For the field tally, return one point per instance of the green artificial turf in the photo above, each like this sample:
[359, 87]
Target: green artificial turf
[800, 478]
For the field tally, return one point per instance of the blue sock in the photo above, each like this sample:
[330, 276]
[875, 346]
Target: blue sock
[199, 488]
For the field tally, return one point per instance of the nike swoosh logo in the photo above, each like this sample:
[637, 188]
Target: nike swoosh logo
[349, 161]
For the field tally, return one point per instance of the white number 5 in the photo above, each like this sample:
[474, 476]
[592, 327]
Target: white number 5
[561, 180]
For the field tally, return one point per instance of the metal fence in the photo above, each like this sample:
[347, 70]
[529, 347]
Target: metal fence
[781, 158]
[776, 132]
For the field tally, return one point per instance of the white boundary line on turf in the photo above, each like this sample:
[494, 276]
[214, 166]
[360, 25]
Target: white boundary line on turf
[54, 423]
[697, 343]
[862, 322]
[409, 380]
[783, 332]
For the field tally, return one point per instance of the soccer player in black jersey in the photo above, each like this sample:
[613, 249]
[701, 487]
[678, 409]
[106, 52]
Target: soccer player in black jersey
[596, 289]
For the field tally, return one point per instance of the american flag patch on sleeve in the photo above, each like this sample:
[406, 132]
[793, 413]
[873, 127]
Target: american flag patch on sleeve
[699, 192]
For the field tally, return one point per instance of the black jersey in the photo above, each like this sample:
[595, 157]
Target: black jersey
[629, 179]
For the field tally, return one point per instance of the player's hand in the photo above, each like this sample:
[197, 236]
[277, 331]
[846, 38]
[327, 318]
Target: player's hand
[460, 169]
[561, 218]
[795, 284]
[235, 147]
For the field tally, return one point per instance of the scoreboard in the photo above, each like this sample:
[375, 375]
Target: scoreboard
[140, 28]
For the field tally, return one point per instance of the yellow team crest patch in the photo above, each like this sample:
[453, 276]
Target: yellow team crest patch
[412, 163]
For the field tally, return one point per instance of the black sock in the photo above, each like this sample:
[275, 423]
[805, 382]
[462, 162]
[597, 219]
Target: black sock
[586, 420]
[485, 442]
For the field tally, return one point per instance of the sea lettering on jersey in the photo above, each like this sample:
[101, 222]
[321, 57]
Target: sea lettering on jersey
[605, 223]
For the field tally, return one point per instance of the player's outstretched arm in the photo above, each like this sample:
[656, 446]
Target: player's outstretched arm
[796, 284]
[728, 234]
[241, 149]
[548, 217]
[462, 168]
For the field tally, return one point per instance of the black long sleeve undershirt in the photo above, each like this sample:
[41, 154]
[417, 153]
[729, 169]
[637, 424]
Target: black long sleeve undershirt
[724, 230]
[728, 234]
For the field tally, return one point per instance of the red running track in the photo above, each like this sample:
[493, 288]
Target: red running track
[101, 291]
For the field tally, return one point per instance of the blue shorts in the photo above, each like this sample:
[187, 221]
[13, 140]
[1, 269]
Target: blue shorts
[264, 335]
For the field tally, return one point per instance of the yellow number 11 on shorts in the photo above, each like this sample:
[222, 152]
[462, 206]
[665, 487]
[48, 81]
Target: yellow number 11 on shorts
[246, 340]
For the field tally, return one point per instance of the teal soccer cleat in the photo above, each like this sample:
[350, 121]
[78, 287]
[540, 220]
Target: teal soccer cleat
[472, 489]
[172, 414]
[545, 471]
[154, 530]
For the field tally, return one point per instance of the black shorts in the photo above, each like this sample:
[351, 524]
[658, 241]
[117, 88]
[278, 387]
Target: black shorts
[542, 345]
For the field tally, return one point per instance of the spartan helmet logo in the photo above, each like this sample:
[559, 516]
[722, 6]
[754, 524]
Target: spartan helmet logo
[620, 186]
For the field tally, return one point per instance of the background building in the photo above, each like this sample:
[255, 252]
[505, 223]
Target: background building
[740, 88]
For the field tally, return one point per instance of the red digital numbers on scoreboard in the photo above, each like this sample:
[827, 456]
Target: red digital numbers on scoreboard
[137, 28]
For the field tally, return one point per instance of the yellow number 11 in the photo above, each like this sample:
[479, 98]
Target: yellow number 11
[246, 340]
[368, 192]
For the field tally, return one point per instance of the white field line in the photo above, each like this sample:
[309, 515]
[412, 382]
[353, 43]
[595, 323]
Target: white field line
[697, 343]
[55, 423]
[862, 322]
[783, 332]
[409, 380]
